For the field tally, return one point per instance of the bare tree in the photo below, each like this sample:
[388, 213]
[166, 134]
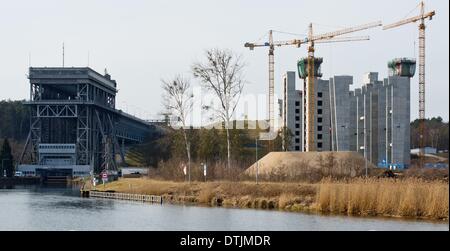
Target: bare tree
[434, 137]
[222, 74]
[177, 99]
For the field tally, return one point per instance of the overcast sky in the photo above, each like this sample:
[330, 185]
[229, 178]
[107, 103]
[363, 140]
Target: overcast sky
[140, 42]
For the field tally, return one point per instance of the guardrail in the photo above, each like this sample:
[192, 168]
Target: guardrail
[127, 196]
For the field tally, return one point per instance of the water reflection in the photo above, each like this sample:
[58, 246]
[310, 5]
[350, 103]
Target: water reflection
[61, 208]
[6, 186]
[73, 204]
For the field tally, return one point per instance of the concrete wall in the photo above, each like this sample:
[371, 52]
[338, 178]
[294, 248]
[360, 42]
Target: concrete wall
[379, 124]
[359, 121]
[292, 111]
[367, 128]
[340, 112]
[373, 120]
[388, 91]
[293, 116]
[322, 115]
[400, 89]
[353, 122]
[379, 117]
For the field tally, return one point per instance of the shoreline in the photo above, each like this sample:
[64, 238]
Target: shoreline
[287, 197]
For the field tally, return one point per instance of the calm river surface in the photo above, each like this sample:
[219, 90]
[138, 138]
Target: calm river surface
[39, 208]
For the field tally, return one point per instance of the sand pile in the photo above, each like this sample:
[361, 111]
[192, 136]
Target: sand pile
[292, 164]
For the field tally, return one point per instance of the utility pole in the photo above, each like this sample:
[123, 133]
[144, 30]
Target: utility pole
[365, 132]
[257, 164]
[63, 56]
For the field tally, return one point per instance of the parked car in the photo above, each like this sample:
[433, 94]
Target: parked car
[18, 174]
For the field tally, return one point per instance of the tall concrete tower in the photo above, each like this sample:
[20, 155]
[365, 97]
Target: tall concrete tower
[398, 112]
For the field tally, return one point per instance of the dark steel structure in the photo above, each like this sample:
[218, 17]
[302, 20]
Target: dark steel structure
[76, 107]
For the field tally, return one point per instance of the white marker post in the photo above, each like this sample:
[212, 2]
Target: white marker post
[185, 172]
[204, 171]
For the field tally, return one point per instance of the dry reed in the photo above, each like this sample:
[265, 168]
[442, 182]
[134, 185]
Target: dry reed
[406, 198]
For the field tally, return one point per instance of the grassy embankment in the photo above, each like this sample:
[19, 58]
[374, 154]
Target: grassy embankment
[373, 197]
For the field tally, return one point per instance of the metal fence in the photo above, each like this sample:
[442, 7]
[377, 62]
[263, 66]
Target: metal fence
[127, 196]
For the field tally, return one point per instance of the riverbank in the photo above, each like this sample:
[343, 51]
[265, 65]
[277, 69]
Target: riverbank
[411, 198]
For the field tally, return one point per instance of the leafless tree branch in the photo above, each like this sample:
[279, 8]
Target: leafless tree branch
[222, 73]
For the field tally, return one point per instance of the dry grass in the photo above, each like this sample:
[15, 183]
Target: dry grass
[368, 197]
[227, 193]
[407, 198]
[286, 200]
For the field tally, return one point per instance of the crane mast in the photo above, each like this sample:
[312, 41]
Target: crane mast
[309, 96]
[271, 80]
[422, 91]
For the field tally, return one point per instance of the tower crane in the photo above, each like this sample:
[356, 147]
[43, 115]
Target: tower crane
[330, 37]
[421, 18]
[309, 95]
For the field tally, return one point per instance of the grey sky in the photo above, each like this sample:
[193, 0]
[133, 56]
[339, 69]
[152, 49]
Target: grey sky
[140, 42]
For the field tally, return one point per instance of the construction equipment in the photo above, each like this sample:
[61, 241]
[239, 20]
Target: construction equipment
[329, 37]
[420, 18]
[271, 44]
[309, 93]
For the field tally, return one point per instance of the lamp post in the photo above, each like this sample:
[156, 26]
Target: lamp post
[364, 133]
[365, 145]
[366, 153]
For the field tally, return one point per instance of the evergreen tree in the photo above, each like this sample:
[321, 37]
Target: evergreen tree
[436, 133]
[6, 159]
[210, 142]
[14, 117]
[282, 142]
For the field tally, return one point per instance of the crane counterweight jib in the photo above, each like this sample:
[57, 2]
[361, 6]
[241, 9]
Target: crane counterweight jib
[248, 45]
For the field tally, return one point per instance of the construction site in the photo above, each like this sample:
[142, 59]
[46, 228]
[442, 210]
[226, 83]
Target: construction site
[253, 117]
[77, 130]
[328, 115]
[194, 111]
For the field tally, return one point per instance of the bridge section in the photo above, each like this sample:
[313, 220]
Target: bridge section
[74, 122]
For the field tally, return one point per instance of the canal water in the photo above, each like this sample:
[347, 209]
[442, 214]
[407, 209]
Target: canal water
[44, 208]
